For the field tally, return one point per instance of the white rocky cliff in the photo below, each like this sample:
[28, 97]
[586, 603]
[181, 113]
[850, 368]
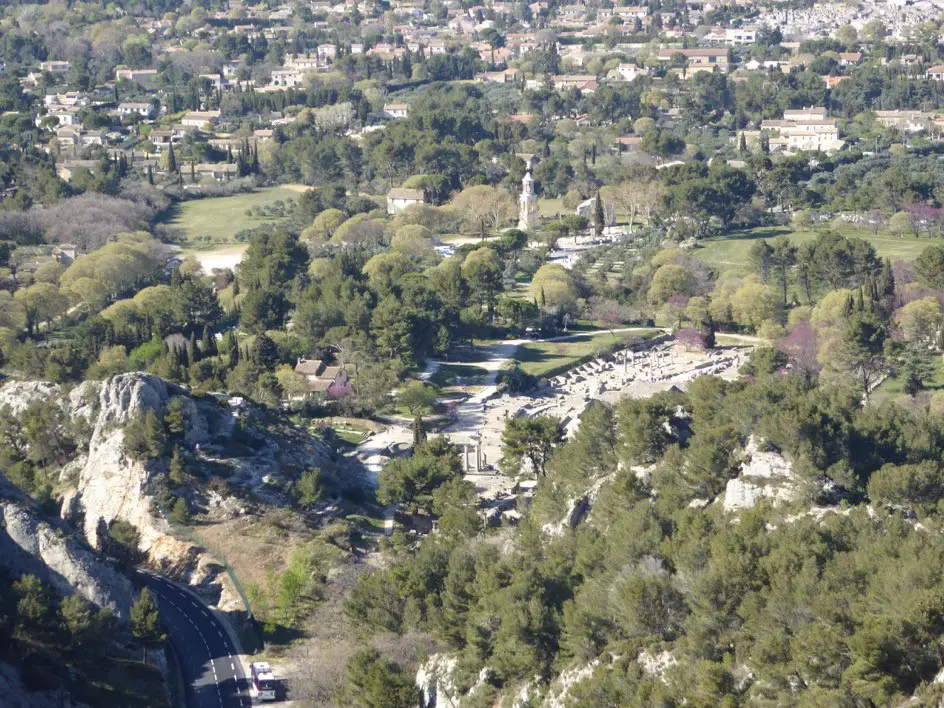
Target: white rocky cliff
[30, 545]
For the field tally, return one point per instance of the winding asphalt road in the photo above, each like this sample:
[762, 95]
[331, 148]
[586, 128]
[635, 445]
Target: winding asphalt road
[208, 659]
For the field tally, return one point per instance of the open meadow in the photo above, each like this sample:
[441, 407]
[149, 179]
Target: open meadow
[729, 251]
[203, 223]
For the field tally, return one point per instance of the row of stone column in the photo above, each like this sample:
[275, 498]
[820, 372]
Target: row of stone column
[479, 457]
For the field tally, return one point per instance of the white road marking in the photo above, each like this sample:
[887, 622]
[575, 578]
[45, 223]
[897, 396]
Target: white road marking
[219, 632]
[232, 666]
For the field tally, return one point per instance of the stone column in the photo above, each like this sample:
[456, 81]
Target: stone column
[478, 457]
[465, 458]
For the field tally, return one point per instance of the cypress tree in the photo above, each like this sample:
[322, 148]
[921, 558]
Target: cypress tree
[171, 159]
[207, 343]
[599, 218]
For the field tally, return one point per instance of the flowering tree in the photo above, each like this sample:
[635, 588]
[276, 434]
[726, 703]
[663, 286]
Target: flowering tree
[925, 217]
[801, 346]
[691, 339]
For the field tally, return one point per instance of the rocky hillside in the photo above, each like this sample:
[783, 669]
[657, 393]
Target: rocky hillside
[37, 664]
[103, 484]
[29, 544]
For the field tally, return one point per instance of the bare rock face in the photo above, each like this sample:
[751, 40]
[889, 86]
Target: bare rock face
[112, 486]
[435, 681]
[560, 689]
[656, 664]
[30, 545]
[18, 395]
[764, 474]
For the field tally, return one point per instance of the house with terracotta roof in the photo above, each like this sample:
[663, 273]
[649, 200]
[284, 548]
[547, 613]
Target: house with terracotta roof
[936, 72]
[331, 381]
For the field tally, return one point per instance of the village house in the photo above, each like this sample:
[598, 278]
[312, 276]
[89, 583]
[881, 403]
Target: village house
[740, 36]
[219, 171]
[396, 110]
[930, 122]
[66, 169]
[629, 143]
[802, 129]
[331, 381]
[399, 198]
[631, 12]
[69, 99]
[301, 62]
[128, 108]
[200, 119]
[508, 76]
[326, 53]
[627, 72]
[936, 72]
[140, 76]
[698, 59]
[286, 78]
[54, 67]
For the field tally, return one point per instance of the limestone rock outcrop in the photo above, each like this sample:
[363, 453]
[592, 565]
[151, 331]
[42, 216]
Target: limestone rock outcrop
[763, 474]
[28, 544]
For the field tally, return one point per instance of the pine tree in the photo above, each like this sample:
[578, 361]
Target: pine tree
[145, 620]
[177, 473]
[180, 512]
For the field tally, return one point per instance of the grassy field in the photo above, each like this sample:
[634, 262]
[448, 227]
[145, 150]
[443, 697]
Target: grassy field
[539, 358]
[221, 217]
[892, 388]
[729, 252]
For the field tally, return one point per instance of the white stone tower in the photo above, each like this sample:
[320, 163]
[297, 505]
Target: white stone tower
[527, 204]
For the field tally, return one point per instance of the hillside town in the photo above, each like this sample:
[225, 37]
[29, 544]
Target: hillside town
[255, 55]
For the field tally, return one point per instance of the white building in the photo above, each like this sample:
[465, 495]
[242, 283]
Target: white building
[399, 198]
[527, 204]
[128, 108]
[396, 110]
[287, 78]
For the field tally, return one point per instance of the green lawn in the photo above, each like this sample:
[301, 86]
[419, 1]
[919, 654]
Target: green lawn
[221, 218]
[892, 388]
[542, 358]
[550, 208]
[729, 252]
